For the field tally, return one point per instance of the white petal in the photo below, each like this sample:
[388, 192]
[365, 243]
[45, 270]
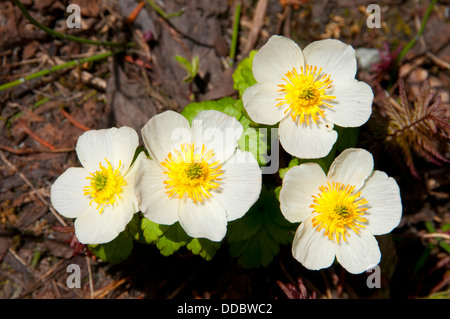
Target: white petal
[218, 132]
[359, 253]
[299, 184]
[240, 185]
[336, 58]
[385, 206]
[351, 167]
[130, 175]
[124, 144]
[312, 248]
[150, 190]
[92, 227]
[67, 194]
[116, 145]
[306, 141]
[94, 146]
[260, 102]
[352, 106]
[277, 57]
[165, 131]
[204, 220]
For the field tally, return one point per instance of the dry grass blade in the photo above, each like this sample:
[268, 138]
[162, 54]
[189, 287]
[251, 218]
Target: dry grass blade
[257, 24]
[99, 294]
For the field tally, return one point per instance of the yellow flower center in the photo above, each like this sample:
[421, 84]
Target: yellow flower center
[338, 210]
[192, 174]
[305, 93]
[106, 186]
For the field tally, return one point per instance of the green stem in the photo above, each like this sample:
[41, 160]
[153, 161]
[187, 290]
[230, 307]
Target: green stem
[234, 37]
[161, 11]
[55, 68]
[419, 34]
[35, 260]
[65, 36]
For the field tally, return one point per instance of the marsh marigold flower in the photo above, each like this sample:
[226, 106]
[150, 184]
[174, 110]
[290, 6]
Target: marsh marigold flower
[307, 92]
[100, 194]
[340, 212]
[196, 175]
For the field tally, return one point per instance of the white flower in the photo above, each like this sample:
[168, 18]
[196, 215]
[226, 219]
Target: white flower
[307, 92]
[340, 212]
[100, 195]
[196, 175]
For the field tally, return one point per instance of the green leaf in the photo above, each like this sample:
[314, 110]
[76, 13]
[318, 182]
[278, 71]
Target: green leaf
[256, 238]
[239, 105]
[173, 239]
[255, 142]
[183, 62]
[277, 192]
[116, 250]
[150, 231]
[139, 149]
[168, 238]
[134, 228]
[191, 67]
[225, 105]
[445, 246]
[194, 66]
[294, 162]
[203, 247]
[243, 75]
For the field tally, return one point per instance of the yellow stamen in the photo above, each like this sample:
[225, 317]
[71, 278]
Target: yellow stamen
[106, 186]
[191, 174]
[338, 210]
[305, 94]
